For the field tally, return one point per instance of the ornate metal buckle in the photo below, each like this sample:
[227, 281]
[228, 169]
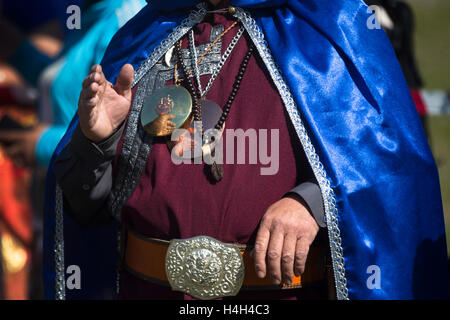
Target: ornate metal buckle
[204, 267]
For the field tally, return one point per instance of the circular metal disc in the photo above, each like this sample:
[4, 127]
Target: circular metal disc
[170, 100]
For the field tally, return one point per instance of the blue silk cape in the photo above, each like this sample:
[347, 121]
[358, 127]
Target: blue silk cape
[358, 126]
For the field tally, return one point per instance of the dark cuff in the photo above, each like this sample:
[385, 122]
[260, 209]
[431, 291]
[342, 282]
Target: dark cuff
[310, 193]
[95, 152]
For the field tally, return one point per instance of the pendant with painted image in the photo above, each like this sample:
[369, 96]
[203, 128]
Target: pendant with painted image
[165, 110]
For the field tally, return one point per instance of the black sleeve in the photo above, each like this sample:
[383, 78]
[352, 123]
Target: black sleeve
[83, 170]
[309, 193]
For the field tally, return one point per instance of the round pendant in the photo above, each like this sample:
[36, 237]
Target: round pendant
[165, 110]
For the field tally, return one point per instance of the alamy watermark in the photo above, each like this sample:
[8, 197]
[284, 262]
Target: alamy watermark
[379, 18]
[242, 147]
[372, 21]
[74, 20]
[374, 280]
[73, 281]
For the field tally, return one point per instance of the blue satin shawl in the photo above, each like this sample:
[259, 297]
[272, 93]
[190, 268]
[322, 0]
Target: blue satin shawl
[359, 115]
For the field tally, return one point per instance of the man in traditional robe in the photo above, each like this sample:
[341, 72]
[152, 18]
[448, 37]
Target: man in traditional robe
[342, 150]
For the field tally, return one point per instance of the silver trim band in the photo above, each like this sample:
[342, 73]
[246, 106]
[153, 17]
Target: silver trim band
[331, 211]
[60, 280]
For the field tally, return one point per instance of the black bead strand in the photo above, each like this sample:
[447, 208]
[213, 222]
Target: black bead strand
[236, 85]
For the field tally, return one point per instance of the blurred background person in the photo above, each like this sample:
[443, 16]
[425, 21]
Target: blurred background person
[15, 212]
[420, 34]
[57, 105]
[40, 26]
[57, 74]
[397, 19]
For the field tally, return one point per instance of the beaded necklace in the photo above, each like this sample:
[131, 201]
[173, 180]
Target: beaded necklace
[216, 169]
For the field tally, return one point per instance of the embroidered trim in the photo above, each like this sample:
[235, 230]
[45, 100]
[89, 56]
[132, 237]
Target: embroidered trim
[193, 18]
[60, 283]
[327, 192]
[206, 66]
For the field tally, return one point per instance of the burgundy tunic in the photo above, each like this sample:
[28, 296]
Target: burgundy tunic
[178, 201]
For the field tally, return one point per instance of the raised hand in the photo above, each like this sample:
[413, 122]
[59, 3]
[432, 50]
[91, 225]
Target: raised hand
[102, 106]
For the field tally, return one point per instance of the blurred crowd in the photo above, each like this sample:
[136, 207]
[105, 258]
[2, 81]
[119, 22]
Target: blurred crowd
[42, 64]
[47, 48]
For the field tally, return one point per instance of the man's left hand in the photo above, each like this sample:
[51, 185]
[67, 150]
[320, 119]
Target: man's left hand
[283, 240]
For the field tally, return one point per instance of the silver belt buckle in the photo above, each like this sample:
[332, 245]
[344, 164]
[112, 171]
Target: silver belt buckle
[204, 267]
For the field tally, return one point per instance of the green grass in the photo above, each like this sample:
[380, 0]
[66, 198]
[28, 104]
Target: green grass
[432, 41]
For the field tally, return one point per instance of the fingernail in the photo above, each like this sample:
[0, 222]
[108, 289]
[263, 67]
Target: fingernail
[260, 274]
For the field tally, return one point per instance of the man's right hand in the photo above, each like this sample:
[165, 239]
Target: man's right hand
[102, 106]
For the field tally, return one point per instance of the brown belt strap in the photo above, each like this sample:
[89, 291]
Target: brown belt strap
[145, 257]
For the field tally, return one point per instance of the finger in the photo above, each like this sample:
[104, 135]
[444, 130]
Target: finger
[274, 255]
[86, 93]
[91, 103]
[88, 80]
[95, 76]
[301, 254]
[260, 250]
[96, 68]
[124, 80]
[287, 258]
[166, 117]
[91, 91]
[170, 124]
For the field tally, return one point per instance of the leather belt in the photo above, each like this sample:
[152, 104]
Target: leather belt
[147, 259]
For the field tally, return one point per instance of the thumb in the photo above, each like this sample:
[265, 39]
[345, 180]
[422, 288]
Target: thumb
[124, 81]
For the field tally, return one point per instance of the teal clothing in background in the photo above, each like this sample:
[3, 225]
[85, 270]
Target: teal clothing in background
[82, 49]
